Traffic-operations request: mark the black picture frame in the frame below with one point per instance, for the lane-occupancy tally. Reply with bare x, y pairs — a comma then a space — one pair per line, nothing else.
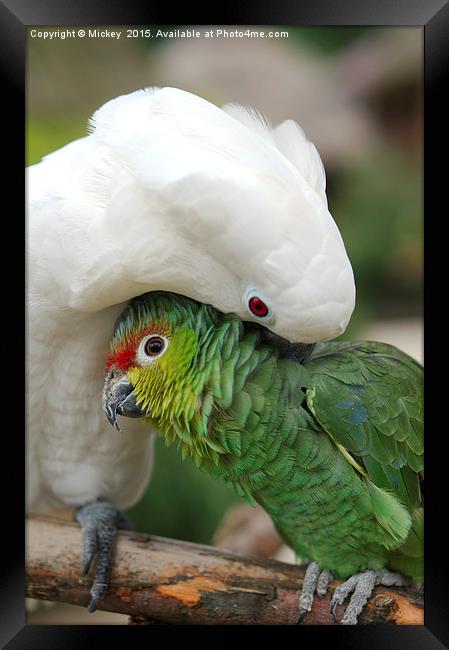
433, 16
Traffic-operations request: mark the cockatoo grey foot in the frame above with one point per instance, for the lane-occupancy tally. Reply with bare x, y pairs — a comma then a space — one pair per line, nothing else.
316, 580
362, 585
99, 521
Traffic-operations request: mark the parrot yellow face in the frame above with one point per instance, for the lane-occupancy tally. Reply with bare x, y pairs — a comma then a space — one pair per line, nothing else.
150, 368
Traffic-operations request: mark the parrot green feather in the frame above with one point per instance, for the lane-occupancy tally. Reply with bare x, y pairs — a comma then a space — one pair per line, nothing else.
331, 448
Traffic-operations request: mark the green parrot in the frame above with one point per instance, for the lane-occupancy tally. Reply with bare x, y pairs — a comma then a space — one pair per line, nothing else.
327, 438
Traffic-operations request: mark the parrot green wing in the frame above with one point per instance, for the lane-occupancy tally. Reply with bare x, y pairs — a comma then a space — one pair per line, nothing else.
368, 397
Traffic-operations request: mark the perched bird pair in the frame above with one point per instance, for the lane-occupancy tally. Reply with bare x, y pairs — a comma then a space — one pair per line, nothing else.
171, 193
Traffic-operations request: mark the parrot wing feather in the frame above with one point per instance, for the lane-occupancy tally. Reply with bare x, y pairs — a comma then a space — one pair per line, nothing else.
368, 397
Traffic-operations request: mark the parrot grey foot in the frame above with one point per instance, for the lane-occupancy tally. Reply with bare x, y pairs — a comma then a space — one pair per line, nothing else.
316, 581
99, 521
362, 585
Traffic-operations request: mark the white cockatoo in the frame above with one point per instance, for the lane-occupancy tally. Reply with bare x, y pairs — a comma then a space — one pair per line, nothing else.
167, 192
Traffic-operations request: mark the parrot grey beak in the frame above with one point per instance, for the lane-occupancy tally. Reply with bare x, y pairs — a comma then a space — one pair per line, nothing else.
119, 398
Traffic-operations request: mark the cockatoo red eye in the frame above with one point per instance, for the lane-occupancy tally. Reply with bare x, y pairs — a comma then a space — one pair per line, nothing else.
258, 307
154, 346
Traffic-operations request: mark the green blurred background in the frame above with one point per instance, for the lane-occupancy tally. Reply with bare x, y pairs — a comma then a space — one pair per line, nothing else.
357, 92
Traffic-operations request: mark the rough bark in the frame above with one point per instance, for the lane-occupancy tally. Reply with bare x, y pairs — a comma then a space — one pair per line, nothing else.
157, 580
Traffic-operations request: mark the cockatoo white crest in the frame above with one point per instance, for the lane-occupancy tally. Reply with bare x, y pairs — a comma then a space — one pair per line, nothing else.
171, 192
168, 192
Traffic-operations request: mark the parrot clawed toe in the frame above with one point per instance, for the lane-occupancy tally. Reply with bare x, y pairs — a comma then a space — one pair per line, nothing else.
316, 580
361, 586
100, 521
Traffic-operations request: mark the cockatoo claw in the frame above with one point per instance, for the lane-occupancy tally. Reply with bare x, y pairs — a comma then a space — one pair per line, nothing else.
99, 521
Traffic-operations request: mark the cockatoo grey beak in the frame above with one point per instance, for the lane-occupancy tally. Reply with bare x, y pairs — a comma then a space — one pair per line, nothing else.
119, 398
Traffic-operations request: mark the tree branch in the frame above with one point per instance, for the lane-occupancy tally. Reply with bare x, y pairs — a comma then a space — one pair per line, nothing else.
164, 580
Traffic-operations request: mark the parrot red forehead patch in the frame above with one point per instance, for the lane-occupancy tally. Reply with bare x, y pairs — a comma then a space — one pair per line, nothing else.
123, 355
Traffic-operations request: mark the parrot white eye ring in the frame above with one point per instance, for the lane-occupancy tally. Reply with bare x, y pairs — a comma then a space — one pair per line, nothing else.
258, 305
151, 348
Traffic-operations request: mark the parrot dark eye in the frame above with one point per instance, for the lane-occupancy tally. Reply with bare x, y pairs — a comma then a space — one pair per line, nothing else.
154, 346
151, 347
258, 307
